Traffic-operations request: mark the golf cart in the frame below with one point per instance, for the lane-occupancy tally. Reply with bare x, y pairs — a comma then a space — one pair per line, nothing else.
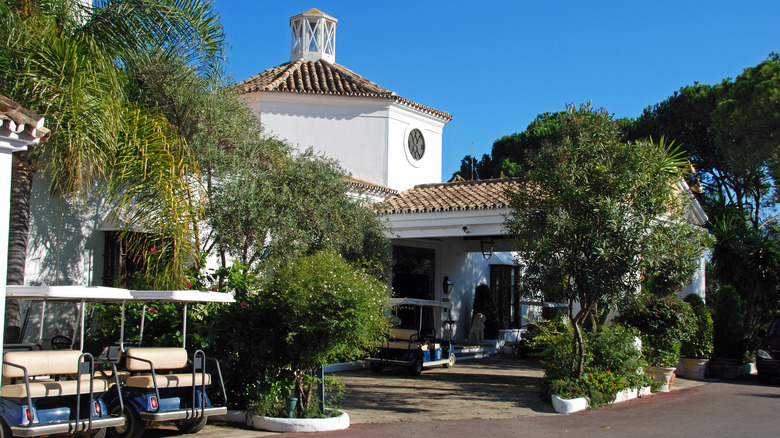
55, 391
163, 384
412, 345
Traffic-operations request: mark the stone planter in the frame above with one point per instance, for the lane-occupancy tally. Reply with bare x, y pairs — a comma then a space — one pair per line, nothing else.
665, 375
274, 424
569, 405
694, 368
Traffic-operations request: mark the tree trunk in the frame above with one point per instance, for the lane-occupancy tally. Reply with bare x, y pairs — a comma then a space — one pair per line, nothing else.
303, 392
18, 235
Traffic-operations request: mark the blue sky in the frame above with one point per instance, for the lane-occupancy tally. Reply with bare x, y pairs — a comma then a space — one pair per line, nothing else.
495, 65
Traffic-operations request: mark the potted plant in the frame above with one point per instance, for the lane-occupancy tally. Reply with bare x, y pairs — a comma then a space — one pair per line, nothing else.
697, 346
728, 336
662, 323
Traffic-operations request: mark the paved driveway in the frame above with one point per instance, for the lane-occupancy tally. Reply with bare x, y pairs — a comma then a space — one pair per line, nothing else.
499, 387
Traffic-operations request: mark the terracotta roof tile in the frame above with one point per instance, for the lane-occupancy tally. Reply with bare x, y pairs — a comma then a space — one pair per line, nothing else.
322, 77
369, 186
17, 119
451, 196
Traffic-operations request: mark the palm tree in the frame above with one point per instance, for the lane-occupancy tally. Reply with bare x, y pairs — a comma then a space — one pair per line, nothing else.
67, 61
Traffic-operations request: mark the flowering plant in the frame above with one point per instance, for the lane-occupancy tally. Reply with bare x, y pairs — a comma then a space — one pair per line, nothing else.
612, 363
600, 387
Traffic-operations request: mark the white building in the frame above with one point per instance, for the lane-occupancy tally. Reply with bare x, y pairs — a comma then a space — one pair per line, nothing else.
378, 136
390, 144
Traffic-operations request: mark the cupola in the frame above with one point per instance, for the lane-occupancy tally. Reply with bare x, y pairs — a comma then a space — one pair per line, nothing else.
313, 37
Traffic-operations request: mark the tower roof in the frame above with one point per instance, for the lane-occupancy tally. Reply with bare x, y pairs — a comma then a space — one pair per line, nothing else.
325, 78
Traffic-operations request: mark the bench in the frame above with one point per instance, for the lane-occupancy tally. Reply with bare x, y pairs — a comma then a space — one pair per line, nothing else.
407, 339
154, 360
49, 374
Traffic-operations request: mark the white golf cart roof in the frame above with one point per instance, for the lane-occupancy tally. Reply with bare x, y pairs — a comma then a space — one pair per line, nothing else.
419, 302
68, 293
182, 296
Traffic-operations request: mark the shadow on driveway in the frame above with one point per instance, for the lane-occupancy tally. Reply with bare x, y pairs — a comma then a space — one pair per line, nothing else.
497, 387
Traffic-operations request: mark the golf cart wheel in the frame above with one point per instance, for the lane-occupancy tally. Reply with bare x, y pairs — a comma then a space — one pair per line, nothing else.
451, 362
416, 368
134, 426
193, 426
376, 367
763, 378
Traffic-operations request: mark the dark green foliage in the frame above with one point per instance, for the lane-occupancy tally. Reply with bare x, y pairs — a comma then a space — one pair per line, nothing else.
663, 324
699, 343
613, 349
731, 131
586, 217
511, 154
750, 259
612, 363
728, 324
314, 309
485, 303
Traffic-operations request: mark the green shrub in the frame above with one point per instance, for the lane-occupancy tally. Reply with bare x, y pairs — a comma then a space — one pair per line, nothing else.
728, 326
699, 343
314, 309
663, 323
612, 363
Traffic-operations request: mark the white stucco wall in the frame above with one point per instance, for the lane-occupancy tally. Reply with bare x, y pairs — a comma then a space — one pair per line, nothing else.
367, 136
65, 246
465, 270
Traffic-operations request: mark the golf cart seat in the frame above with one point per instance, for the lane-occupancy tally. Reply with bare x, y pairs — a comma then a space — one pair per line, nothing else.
154, 360
47, 374
406, 339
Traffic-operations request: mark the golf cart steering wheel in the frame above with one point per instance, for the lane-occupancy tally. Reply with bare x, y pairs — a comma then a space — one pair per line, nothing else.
60, 342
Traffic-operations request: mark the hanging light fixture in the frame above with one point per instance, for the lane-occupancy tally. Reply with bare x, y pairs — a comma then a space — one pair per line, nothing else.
486, 245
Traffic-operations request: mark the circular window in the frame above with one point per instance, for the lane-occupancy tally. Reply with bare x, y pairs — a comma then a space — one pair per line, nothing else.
416, 144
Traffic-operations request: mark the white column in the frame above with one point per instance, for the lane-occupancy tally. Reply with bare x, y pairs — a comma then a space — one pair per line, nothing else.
6, 158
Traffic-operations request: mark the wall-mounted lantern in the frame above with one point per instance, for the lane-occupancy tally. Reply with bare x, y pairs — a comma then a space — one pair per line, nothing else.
486, 245
446, 286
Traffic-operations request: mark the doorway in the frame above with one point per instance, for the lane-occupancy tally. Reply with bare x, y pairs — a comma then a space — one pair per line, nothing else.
414, 271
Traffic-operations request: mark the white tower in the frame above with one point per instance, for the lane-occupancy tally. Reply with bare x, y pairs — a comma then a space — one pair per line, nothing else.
313, 37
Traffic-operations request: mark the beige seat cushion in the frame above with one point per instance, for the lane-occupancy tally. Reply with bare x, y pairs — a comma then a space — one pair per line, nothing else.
403, 334
405, 345
41, 363
166, 380
50, 388
161, 358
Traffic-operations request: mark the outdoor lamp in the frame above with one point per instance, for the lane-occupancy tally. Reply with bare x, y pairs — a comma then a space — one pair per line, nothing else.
486, 245
446, 286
